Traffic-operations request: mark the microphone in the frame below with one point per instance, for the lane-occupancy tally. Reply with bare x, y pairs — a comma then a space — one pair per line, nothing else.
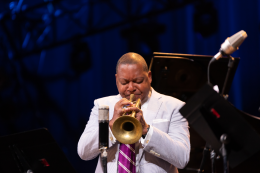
103, 119
231, 44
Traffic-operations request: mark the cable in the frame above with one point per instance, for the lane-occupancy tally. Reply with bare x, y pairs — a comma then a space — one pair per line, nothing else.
210, 62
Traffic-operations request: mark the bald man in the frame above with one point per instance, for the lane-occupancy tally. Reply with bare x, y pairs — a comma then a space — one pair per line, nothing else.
165, 144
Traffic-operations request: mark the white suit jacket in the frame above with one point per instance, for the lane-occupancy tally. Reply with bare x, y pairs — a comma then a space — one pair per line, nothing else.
167, 149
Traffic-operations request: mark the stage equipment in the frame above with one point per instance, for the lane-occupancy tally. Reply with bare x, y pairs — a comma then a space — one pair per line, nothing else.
127, 129
32, 152
222, 126
182, 75
103, 119
228, 47
231, 44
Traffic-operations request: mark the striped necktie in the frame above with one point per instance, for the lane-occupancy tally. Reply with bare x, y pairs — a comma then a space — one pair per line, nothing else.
126, 158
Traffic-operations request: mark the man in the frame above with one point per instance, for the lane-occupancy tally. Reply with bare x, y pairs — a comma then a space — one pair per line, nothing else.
165, 144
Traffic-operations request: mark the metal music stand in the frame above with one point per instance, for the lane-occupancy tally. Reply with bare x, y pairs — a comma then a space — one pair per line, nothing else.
32, 152
212, 116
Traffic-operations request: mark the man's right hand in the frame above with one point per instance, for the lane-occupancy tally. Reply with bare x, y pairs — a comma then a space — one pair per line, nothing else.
119, 110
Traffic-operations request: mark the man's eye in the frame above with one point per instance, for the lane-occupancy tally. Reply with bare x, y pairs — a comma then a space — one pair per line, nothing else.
123, 83
139, 81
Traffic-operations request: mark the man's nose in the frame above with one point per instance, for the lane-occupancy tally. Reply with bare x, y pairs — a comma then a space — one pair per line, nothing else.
131, 87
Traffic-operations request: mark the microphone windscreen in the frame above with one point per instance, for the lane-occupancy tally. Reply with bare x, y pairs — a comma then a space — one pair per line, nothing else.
103, 113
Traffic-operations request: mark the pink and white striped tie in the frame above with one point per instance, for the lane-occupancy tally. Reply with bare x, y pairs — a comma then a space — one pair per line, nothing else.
126, 158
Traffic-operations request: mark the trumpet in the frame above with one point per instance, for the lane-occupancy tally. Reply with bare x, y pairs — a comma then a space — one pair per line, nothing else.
127, 129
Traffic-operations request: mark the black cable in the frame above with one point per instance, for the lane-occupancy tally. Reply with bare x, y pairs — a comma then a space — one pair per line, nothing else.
210, 62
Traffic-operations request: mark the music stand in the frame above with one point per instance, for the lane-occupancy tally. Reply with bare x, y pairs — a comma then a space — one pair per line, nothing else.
182, 75
211, 116
32, 152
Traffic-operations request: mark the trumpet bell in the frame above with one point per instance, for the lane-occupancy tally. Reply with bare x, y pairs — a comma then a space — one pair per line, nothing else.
127, 130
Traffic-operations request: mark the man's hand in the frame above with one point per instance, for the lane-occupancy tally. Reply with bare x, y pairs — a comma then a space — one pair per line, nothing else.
119, 111
139, 116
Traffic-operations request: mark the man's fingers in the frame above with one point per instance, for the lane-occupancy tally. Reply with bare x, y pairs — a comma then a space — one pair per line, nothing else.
138, 111
123, 110
138, 117
134, 109
125, 102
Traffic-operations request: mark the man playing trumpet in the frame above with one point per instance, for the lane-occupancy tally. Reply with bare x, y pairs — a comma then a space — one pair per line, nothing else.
164, 145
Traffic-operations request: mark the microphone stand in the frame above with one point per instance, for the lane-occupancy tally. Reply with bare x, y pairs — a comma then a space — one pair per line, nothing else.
103, 117
205, 153
224, 137
104, 158
224, 140
213, 159
230, 65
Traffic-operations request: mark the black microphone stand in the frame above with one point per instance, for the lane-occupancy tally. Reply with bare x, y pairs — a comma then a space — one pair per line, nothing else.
104, 158
223, 137
223, 150
230, 65
103, 134
205, 154
213, 160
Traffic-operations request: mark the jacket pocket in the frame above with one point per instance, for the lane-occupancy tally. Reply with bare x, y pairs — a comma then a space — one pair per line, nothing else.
162, 124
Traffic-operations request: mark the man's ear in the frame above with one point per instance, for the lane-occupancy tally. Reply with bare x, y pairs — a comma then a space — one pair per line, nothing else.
116, 78
150, 77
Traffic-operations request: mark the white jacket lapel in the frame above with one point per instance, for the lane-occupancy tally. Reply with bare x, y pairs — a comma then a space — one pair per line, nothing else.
153, 106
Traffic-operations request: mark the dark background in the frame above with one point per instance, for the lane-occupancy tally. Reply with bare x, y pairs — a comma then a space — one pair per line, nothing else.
56, 57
